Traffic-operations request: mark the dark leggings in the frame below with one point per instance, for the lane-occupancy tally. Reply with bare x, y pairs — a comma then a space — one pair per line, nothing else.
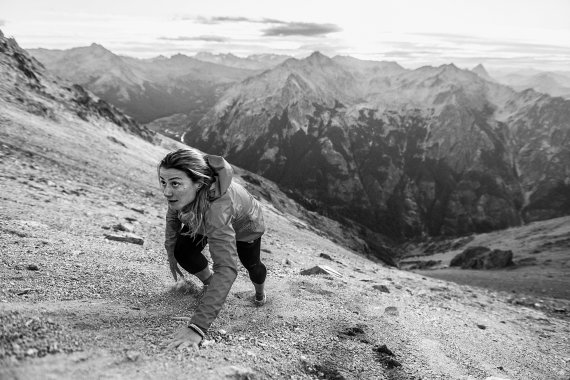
188, 253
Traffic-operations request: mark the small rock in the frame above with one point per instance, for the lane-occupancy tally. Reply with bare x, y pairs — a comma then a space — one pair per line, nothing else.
239, 373
391, 310
482, 327
123, 227
140, 210
32, 267
31, 352
383, 349
382, 288
320, 269
127, 239
385, 356
133, 355
325, 256
353, 331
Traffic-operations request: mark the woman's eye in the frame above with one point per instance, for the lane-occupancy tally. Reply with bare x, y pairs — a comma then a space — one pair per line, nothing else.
175, 184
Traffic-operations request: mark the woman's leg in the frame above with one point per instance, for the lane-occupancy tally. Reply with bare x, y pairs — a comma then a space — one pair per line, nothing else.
188, 253
249, 254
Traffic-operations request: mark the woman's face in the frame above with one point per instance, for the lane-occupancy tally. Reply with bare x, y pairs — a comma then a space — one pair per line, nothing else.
177, 187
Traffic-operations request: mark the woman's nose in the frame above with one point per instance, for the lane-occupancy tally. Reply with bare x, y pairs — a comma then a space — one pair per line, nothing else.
167, 191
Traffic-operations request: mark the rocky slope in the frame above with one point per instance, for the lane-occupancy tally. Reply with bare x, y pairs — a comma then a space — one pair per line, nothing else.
27, 82
75, 303
432, 151
145, 89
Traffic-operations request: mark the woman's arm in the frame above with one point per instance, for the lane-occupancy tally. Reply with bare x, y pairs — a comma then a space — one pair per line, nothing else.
171, 233
221, 239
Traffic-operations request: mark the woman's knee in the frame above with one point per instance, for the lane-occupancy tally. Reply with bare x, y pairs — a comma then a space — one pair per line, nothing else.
257, 272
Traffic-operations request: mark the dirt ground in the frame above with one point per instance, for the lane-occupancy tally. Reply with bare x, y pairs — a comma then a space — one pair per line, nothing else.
74, 304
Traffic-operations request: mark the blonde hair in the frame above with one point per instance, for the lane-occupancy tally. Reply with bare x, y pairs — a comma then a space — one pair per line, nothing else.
193, 163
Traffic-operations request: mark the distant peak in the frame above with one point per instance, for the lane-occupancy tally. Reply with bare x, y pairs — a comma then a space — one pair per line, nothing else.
481, 71
450, 67
179, 56
97, 49
318, 57
97, 46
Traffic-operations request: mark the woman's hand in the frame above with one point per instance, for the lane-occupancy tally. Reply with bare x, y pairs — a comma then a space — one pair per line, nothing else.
185, 337
174, 269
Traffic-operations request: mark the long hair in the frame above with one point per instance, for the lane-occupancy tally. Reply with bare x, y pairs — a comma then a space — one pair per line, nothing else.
192, 162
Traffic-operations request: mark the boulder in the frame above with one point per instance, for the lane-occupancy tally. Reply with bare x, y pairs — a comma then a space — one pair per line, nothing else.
320, 269
483, 258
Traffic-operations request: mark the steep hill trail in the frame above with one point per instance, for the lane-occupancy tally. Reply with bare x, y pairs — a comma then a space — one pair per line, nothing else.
74, 304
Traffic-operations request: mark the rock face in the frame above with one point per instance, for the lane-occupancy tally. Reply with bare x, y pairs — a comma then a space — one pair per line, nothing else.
483, 258
26, 81
433, 151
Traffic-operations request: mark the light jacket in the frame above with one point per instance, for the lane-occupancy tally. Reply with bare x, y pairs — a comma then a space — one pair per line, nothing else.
233, 215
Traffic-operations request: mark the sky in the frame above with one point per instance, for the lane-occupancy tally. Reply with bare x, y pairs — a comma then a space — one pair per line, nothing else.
519, 34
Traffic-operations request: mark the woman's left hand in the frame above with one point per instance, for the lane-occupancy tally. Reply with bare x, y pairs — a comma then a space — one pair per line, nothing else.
185, 337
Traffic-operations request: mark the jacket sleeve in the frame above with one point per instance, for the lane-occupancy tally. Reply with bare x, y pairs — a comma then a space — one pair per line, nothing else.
171, 232
222, 242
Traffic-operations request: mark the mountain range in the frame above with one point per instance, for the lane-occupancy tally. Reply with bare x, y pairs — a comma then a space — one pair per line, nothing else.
406, 153
156, 88
552, 83
144, 89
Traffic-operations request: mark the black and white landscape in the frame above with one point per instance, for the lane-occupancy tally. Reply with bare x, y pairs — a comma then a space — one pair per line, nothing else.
418, 219
435, 151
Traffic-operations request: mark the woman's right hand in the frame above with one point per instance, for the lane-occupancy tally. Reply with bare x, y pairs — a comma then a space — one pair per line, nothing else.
174, 269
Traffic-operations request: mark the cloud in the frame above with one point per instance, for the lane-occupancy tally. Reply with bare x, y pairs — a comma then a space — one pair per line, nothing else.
277, 27
496, 44
231, 19
196, 38
301, 29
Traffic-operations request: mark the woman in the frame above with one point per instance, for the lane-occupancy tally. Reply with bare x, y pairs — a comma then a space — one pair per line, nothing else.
206, 206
